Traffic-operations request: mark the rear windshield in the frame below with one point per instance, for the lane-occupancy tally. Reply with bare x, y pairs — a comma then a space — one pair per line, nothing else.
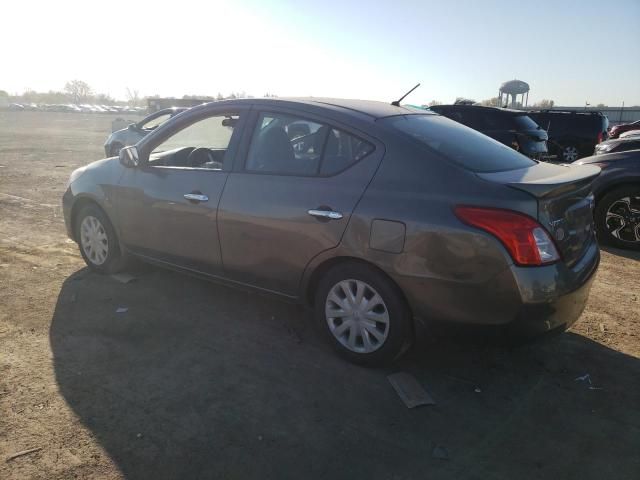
462, 145
523, 122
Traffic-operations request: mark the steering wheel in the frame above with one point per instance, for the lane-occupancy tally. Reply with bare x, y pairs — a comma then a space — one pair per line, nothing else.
303, 143
199, 156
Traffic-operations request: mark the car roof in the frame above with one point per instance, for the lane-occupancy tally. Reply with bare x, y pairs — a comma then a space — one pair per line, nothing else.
482, 107
362, 108
567, 112
171, 110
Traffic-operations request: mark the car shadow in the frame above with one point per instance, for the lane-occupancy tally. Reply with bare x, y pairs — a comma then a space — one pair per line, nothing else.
194, 380
630, 254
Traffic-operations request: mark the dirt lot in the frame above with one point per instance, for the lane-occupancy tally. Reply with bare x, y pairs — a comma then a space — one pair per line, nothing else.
200, 381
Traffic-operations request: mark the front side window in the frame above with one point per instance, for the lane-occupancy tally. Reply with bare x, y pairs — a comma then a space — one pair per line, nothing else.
289, 145
202, 144
459, 144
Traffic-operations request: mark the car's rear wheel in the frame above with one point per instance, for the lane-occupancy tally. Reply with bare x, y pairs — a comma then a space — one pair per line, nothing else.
618, 217
363, 313
98, 241
570, 153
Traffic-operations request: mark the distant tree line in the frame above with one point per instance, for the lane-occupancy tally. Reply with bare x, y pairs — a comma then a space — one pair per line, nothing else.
80, 92
75, 91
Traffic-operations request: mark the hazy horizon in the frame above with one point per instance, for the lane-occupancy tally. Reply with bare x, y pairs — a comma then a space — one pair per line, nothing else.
570, 52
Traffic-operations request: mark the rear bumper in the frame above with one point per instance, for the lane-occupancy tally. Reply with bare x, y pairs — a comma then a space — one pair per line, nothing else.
555, 303
529, 299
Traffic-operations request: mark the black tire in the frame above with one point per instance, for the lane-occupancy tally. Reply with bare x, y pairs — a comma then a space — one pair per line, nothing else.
605, 235
115, 149
400, 327
115, 260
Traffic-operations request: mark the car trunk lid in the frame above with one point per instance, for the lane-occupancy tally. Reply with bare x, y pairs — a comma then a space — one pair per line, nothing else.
565, 201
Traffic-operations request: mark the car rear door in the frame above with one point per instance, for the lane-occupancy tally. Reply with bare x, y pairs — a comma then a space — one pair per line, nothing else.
290, 196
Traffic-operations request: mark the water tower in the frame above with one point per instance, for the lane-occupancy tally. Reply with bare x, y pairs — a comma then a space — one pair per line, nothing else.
514, 88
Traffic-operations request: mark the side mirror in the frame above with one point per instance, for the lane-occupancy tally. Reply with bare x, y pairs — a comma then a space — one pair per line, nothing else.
129, 156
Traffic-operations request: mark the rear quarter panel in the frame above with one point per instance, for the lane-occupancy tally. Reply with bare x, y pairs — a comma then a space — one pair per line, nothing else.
446, 269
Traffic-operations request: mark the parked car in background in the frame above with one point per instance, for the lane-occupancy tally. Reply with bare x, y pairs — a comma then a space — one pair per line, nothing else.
630, 133
510, 127
616, 130
134, 132
617, 196
375, 215
617, 145
572, 134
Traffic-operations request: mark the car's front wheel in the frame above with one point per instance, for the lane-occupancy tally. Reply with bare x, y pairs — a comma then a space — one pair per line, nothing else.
618, 217
363, 314
97, 240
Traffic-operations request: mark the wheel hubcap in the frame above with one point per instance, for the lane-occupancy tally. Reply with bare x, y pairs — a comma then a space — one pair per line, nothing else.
357, 316
623, 219
570, 154
93, 239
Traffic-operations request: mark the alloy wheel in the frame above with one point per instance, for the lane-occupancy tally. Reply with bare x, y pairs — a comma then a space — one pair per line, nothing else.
623, 219
93, 239
570, 153
357, 316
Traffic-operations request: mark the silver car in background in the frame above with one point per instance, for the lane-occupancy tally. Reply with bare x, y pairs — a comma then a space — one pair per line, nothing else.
136, 131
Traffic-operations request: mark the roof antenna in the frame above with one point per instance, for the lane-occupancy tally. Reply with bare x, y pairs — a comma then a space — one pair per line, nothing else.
396, 103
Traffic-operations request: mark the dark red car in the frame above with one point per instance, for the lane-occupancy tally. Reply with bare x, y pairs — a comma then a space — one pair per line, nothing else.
616, 130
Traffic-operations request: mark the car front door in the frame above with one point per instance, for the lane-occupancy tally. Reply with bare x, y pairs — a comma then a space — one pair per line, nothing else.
167, 207
290, 197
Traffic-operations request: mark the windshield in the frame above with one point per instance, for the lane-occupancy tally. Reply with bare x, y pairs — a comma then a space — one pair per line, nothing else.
462, 145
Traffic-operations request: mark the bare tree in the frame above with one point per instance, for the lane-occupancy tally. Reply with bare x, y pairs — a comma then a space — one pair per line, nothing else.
133, 97
491, 102
544, 104
78, 90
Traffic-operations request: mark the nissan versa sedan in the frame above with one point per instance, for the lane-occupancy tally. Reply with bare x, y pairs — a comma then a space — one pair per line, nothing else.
376, 216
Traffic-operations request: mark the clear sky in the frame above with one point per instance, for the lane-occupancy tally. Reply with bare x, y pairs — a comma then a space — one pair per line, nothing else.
570, 51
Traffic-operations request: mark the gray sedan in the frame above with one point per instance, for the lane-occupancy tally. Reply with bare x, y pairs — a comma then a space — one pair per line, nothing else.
376, 216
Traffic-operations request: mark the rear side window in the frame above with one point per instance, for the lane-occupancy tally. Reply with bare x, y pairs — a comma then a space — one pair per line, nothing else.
288, 145
459, 144
342, 150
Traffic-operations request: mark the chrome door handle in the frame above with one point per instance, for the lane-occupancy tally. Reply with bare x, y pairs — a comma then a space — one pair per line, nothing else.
196, 197
330, 214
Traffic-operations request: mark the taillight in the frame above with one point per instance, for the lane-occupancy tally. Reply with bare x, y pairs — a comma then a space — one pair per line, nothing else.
600, 137
526, 240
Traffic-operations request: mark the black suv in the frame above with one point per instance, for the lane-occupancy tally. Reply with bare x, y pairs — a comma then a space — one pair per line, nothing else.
511, 127
572, 134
